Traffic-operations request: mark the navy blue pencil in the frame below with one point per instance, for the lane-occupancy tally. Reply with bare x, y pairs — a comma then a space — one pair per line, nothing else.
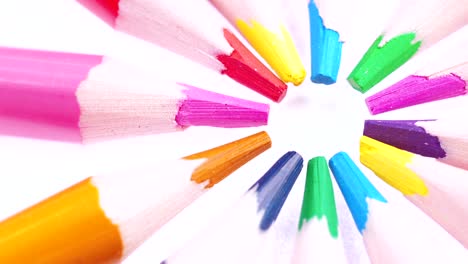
239, 235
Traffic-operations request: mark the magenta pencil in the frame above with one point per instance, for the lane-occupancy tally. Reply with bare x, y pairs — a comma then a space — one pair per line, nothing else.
444, 76
82, 98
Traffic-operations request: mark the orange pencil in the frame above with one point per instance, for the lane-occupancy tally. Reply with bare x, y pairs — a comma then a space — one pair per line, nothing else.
103, 219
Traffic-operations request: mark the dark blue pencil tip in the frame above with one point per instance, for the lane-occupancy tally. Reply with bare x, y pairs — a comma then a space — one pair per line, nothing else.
356, 188
325, 48
273, 188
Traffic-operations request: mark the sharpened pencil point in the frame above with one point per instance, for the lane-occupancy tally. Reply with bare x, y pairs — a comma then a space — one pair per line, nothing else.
205, 108
325, 49
414, 90
274, 186
277, 48
381, 59
356, 188
244, 67
406, 135
390, 164
319, 198
223, 160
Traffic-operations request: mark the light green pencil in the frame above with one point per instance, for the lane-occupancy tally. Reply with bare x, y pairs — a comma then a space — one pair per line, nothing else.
416, 25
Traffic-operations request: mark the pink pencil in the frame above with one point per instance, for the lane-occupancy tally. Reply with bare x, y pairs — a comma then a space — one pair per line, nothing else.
445, 76
82, 98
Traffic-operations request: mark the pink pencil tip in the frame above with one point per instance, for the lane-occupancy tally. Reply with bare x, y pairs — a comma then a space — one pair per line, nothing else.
205, 108
414, 90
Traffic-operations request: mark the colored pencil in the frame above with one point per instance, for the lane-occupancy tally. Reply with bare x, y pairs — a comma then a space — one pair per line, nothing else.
325, 42
416, 25
195, 30
261, 24
443, 139
318, 240
389, 235
240, 234
445, 77
86, 98
436, 188
103, 219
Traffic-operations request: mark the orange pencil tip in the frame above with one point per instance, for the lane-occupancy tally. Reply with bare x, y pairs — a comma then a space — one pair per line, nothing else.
223, 160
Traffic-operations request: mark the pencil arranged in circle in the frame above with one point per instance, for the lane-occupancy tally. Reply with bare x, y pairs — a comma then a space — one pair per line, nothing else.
443, 139
260, 22
104, 218
240, 234
193, 29
83, 98
416, 25
325, 42
390, 234
318, 239
446, 77
436, 188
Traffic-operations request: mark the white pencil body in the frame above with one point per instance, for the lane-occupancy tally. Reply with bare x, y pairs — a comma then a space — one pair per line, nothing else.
234, 237
431, 20
392, 237
141, 201
314, 244
453, 137
117, 99
450, 57
447, 200
250, 11
177, 25
332, 13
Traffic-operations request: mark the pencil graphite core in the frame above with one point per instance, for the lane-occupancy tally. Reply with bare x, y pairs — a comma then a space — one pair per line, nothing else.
206, 108
325, 47
257, 76
319, 200
414, 90
357, 190
381, 59
391, 165
278, 49
225, 159
274, 186
406, 135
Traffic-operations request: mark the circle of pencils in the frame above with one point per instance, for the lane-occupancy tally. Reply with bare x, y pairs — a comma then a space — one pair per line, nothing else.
420, 163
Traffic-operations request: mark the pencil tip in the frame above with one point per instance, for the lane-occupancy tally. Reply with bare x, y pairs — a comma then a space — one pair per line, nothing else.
382, 59
274, 186
414, 90
205, 108
325, 49
223, 160
244, 67
356, 188
277, 48
390, 164
319, 199
408, 135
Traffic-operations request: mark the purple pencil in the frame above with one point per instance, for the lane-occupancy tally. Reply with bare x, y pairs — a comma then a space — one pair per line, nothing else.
445, 140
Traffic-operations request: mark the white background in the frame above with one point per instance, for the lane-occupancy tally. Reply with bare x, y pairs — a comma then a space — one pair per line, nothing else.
312, 120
